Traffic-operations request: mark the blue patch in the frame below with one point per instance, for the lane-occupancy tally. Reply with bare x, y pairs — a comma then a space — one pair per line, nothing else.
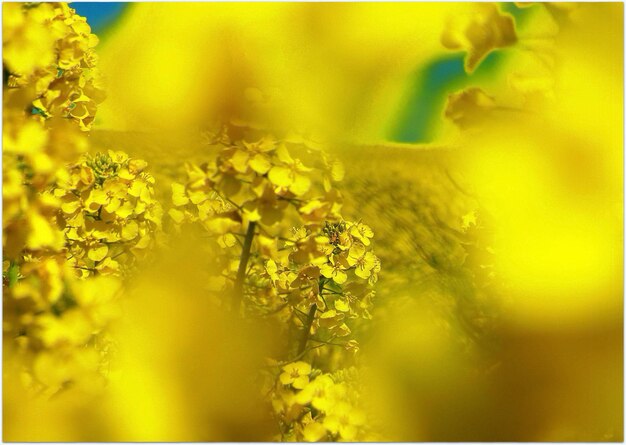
433, 83
100, 15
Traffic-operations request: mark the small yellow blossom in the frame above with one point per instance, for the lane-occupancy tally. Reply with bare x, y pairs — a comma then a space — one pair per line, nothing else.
296, 374
314, 432
362, 232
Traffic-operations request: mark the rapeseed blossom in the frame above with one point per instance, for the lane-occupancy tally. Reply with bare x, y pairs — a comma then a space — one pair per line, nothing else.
62, 225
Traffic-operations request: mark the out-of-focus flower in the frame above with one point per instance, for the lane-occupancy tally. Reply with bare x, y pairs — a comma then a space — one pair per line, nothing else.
480, 30
469, 107
56, 322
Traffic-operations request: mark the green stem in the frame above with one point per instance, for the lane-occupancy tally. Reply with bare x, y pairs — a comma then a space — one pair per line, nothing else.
307, 329
243, 264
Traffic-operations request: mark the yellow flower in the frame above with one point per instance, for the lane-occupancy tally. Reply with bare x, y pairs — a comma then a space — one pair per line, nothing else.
272, 269
97, 252
479, 31
468, 108
362, 232
296, 374
335, 269
246, 155
179, 196
227, 240
363, 261
108, 197
28, 43
314, 432
42, 233
342, 306
318, 393
289, 174
267, 208
344, 420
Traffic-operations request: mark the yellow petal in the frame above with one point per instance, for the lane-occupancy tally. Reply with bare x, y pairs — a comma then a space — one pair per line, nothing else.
240, 161
300, 185
136, 166
260, 164
300, 382
362, 272
70, 207
124, 173
41, 233
176, 215
342, 306
130, 230
97, 197
314, 432
283, 154
136, 188
327, 270
280, 176
113, 205
125, 210
271, 267
285, 378
98, 253
340, 276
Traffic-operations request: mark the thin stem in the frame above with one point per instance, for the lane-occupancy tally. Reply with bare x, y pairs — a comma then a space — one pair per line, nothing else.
309, 321
296, 358
329, 342
307, 329
243, 263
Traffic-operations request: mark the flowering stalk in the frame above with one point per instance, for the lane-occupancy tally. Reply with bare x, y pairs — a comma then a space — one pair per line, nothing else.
308, 261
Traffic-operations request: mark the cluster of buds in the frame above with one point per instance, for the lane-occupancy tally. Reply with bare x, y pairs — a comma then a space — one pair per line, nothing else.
108, 213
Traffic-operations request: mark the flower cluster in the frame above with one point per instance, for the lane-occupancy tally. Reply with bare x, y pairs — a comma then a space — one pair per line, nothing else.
55, 320
49, 94
285, 252
50, 59
261, 178
75, 225
257, 184
58, 325
108, 212
313, 406
334, 271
